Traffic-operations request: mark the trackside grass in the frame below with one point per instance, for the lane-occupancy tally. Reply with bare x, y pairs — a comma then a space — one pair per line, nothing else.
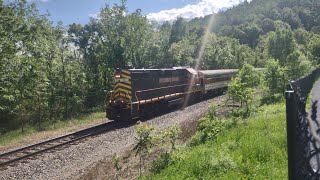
255, 148
50, 130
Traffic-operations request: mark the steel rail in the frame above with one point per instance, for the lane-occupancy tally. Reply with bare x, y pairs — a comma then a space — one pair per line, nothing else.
35, 149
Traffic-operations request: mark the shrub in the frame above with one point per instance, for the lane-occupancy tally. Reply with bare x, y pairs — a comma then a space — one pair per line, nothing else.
208, 129
274, 77
271, 99
116, 164
240, 89
144, 141
160, 163
212, 111
171, 135
249, 77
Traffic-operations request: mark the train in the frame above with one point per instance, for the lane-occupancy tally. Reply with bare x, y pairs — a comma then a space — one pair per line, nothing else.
143, 93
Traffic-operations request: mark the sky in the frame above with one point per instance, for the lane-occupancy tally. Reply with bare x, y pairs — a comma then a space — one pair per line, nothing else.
79, 11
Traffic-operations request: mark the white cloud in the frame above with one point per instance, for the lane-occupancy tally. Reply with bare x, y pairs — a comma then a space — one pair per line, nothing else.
94, 15
39, 0
203, 8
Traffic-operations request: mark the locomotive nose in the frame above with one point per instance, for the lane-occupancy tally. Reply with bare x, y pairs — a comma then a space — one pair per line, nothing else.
117, 108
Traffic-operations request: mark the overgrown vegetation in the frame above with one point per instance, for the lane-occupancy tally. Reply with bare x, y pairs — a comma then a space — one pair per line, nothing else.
147, 138
253, 148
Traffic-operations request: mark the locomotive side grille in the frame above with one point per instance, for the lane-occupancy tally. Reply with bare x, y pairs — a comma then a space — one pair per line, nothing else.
122, 88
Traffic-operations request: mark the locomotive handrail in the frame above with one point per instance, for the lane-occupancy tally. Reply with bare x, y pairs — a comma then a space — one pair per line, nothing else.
161, 88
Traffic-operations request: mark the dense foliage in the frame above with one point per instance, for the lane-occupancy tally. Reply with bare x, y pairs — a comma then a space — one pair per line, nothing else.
231, 148
240, 88
49, 73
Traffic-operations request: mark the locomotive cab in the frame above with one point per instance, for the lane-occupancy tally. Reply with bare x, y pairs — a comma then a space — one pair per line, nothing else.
118, 100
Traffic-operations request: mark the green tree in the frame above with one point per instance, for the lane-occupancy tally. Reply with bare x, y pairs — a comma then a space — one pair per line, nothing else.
252, 32
249, 77
137, 36
298, 65
226, 53
239, 92
144, 141
302, 36
314, 48
281, 44
182, 53
171, 135
289, 16
274, 77
240, 89
179, 30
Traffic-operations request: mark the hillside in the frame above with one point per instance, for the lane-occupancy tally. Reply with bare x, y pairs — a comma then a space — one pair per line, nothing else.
248, 21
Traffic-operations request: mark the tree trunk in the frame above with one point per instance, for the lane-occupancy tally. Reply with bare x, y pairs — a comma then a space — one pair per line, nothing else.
39, 113
65, 85
247, 106
20, 109
51, 100
140, 168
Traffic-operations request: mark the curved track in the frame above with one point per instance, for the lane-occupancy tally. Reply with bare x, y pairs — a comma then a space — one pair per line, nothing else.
14, 156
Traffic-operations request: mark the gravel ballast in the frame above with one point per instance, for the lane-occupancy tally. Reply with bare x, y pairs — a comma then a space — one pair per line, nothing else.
72, 161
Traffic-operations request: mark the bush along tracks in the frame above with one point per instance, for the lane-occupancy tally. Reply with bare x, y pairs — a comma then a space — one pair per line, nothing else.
230, 148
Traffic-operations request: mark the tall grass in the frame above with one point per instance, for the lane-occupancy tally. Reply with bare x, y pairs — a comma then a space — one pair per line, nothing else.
255, 149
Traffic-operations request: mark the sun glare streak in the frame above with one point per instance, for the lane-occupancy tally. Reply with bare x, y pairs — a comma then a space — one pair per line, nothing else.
199, 57
204, 43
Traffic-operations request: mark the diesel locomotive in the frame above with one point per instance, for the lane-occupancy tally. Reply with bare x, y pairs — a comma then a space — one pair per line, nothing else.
141, 93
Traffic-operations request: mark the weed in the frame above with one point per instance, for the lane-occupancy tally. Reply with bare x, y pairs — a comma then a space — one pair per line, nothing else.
272, 99
253, 148
144, 141
116, 164
161, 163
171, 135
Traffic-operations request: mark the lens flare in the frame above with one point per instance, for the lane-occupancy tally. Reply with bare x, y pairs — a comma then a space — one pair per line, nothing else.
199, 57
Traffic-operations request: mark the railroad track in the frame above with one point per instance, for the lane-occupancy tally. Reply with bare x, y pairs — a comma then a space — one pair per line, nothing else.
14, 156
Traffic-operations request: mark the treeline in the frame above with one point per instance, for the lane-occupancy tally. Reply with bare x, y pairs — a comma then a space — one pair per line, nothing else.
50, 73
